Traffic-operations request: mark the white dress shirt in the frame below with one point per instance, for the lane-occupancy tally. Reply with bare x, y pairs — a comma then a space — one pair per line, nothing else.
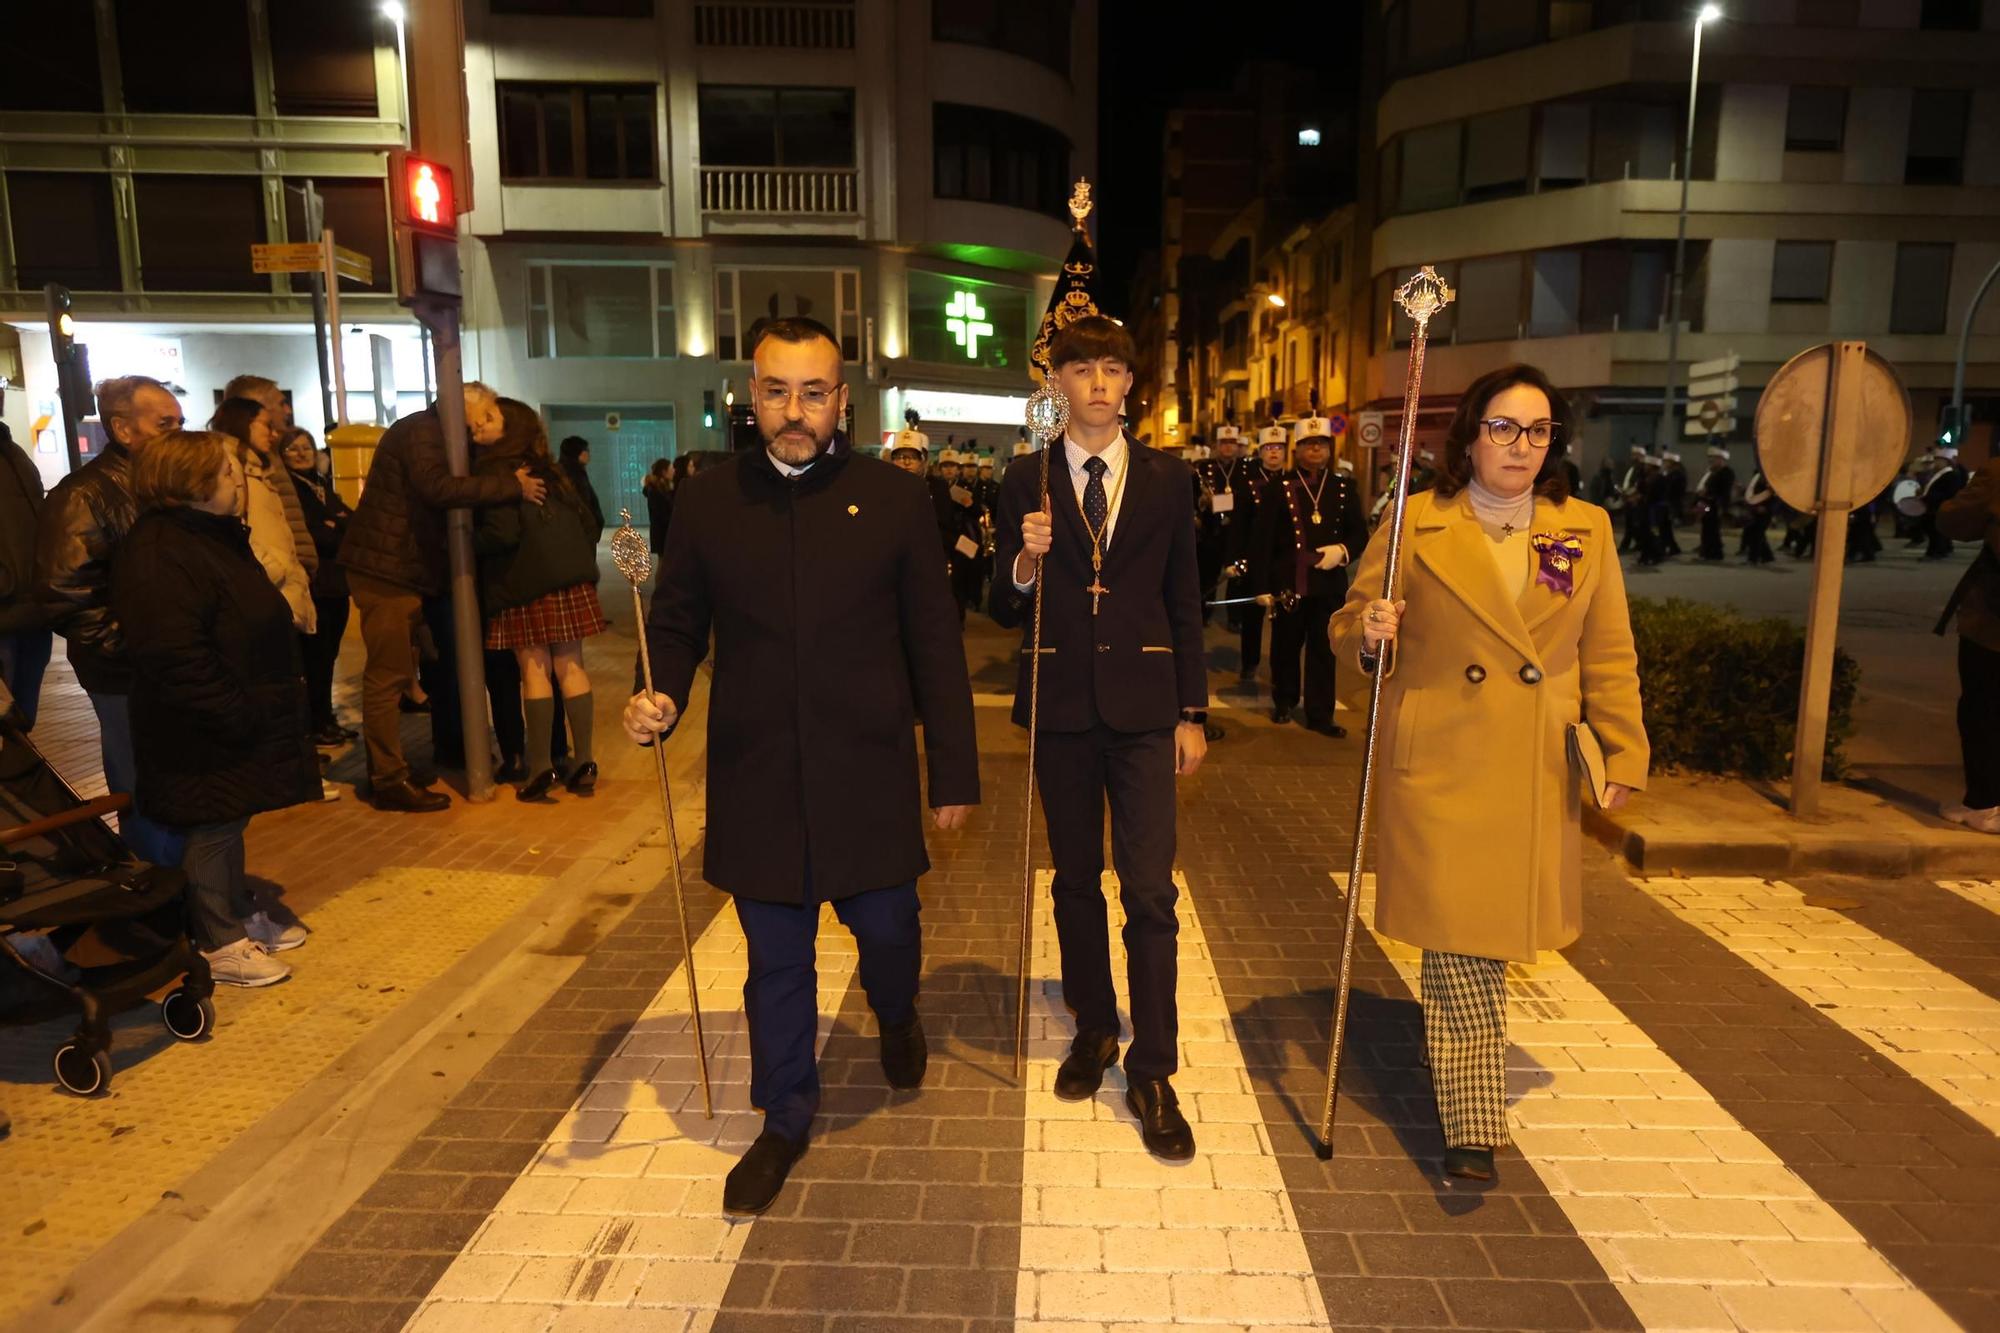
1116, 459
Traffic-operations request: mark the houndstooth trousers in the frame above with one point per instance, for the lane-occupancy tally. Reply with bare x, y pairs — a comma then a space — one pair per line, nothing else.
1465, 1035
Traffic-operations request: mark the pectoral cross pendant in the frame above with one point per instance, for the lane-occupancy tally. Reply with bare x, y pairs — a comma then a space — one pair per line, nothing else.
1096, 588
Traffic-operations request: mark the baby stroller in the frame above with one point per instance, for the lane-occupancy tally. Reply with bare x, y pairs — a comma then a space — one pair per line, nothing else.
63, 870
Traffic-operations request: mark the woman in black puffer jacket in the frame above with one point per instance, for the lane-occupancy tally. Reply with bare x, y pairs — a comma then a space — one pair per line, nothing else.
538, 586
326, 516
218, 701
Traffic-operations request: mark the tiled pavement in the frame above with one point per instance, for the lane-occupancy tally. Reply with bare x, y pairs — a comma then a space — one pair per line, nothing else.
1737, 1104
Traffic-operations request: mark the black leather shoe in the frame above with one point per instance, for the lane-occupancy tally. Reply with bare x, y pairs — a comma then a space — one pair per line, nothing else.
1469, 1163
1333, 729
537, 787
331, 736
408, 705
1162, 1127
582, 780
408, 799
511, 770
754, 1182
1082, 1070
904, 1054
1281, 715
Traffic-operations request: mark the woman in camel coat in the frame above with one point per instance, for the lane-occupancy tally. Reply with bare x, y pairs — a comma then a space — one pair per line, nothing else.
1517, 628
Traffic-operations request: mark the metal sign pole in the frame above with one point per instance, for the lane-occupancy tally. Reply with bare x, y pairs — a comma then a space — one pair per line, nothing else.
1843, 415
332, 279
316, 226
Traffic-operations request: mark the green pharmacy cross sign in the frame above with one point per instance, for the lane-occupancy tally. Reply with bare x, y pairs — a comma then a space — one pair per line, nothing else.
966, 319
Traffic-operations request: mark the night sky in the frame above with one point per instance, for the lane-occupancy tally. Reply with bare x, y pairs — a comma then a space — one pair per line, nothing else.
1152, 53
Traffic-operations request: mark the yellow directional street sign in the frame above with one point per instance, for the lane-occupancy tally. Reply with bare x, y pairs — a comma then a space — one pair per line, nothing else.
354, 265
299, 257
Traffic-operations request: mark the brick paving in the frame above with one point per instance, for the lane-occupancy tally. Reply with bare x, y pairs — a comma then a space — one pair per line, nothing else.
1736, 1104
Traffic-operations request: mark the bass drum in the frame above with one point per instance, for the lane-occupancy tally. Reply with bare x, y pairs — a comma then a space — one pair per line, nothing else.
1909, 497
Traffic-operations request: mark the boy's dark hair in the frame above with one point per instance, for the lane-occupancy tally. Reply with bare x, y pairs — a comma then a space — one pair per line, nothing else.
574, 447
1093, 338
790, 329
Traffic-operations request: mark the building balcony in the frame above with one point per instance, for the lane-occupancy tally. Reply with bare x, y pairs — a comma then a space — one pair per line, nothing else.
795, 26
756, 199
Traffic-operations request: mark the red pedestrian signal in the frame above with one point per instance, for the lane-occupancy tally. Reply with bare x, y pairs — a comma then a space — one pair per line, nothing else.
425, 199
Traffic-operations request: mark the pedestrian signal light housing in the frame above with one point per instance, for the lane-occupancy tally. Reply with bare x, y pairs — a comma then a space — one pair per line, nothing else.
425, 200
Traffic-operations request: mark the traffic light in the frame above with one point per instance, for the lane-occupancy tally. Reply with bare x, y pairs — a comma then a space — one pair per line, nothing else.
708, 409
425, 199
72, 368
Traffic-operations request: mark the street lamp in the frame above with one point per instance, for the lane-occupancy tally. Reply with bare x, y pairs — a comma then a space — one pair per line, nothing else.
1665, 434
393, 11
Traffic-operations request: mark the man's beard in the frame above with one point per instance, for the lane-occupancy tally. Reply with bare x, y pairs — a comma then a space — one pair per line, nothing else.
796, 446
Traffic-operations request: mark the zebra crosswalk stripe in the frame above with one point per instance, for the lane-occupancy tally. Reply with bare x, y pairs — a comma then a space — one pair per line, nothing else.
623, 1203
1695, 1220
1938, 1029
1096, 1208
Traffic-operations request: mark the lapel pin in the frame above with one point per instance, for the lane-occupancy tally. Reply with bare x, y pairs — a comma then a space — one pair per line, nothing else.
853, 509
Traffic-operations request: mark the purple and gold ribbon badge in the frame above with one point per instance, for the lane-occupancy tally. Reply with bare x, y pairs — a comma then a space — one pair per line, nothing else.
1558, 554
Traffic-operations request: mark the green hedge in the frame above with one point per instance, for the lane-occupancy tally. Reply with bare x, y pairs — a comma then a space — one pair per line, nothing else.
1721, 690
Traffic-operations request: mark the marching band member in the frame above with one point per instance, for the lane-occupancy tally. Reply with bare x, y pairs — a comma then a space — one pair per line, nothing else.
1309, 528
1518, 633
1718, 486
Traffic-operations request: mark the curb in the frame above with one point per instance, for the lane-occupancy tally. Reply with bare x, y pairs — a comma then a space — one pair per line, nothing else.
1808, 849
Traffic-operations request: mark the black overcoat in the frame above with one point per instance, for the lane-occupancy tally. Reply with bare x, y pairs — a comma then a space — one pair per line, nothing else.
834, 631
1139, 661
219, 717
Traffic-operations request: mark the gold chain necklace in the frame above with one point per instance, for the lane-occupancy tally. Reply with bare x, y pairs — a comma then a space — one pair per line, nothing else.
1312, 494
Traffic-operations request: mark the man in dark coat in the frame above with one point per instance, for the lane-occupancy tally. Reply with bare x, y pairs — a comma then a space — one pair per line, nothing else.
85, 517
576, 466
394, 554
1124, 701
819, 575
24, 622
1310, 528
1973, 515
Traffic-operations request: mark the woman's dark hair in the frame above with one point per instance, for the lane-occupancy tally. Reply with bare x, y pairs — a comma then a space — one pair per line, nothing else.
524, 436
660, 477
1552, 482
574, 447
233, 418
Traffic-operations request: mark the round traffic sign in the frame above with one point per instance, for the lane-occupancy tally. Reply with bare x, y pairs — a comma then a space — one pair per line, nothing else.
1711, 412
1874, 423
1338, 425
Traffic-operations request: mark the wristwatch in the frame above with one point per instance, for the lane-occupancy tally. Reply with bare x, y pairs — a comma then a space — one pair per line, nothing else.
1196, 717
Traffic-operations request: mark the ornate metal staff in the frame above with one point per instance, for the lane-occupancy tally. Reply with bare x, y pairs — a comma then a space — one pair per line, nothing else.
1421, 297
635, 562
1048, 418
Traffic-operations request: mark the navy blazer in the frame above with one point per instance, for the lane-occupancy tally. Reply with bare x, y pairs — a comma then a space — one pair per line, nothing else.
1138, 662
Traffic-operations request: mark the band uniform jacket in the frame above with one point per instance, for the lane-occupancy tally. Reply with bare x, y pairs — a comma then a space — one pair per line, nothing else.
954, 520
1280, 562
1231, 479
1251, 487
1477, 802
834, 631
1138, 662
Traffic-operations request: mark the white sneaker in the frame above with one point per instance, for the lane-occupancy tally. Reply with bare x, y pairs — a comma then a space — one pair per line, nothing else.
1983, 821
244, 963
329, 792
272, 936
42, 956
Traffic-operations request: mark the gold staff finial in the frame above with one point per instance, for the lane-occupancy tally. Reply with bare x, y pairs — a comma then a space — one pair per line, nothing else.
1424, 295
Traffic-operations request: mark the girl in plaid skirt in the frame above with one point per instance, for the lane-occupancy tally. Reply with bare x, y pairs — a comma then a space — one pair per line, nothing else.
538, 581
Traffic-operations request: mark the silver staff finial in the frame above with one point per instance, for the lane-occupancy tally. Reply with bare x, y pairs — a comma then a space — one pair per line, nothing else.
1048, 414
628, 551
1424, 295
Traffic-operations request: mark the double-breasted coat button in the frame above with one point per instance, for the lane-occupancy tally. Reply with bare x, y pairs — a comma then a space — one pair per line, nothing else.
1475, 673
1532, 675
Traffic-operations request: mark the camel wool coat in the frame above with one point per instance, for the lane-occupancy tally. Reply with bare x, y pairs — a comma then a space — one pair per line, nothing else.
1477, 805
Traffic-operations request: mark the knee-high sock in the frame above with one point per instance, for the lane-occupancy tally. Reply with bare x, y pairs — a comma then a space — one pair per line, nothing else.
540, 713
577, 710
